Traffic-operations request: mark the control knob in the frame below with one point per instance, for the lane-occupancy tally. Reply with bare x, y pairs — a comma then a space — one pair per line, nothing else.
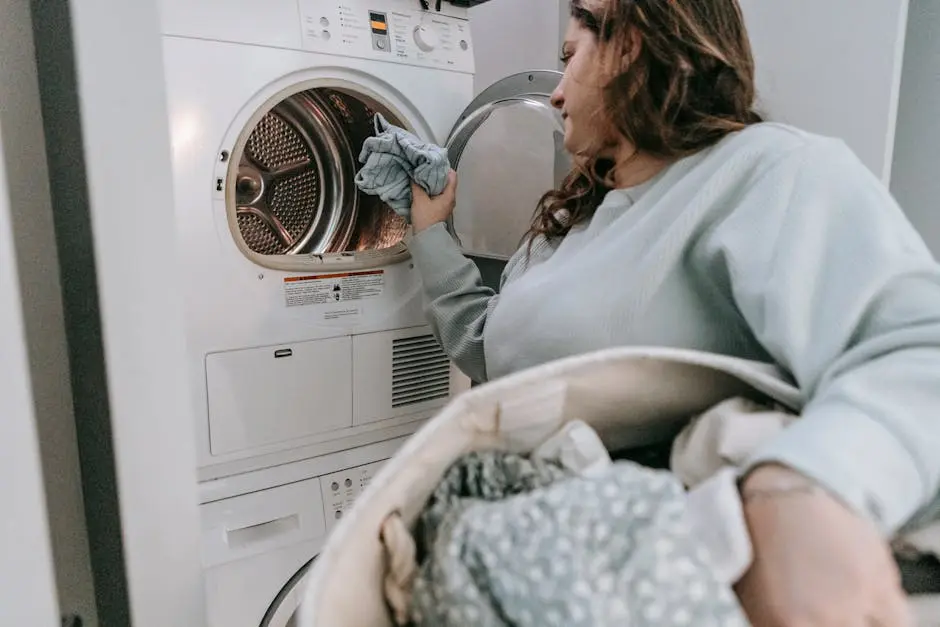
425, 38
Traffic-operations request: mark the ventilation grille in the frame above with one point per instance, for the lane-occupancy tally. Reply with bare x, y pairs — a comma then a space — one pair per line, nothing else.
420, 371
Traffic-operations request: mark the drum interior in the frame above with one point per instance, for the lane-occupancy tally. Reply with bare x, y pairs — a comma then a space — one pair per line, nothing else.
294, 191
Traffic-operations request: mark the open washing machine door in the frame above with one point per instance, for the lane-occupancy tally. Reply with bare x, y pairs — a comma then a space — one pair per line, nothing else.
508, 150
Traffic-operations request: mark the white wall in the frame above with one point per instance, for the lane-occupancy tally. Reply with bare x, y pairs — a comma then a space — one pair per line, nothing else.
514, 36
829, 66
27, 581
916, 178
832, 67
41, 302
27, 584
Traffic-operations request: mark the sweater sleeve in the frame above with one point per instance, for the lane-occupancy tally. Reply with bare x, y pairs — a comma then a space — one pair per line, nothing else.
456, 301
839, 288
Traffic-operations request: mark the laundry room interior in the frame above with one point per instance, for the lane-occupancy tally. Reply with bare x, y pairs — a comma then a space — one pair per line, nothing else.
251, 251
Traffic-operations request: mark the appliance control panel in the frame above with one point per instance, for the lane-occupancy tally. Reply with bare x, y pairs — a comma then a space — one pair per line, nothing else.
399, 31
341, 489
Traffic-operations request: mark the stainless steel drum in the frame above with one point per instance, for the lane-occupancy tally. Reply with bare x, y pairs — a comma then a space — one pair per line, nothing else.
294, 189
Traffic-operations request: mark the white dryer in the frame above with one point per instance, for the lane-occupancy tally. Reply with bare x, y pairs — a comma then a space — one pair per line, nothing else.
305, 326
309, 355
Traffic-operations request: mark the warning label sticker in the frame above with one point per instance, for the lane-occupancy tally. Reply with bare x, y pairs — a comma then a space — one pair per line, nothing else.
343, 287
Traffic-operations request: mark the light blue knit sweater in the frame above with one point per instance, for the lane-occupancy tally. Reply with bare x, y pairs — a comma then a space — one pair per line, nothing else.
774, 245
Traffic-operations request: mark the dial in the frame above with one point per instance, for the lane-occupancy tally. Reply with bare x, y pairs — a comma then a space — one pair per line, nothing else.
425, 38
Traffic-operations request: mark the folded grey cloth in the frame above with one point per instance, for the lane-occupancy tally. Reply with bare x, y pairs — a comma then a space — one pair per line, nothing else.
393, 159
507, 541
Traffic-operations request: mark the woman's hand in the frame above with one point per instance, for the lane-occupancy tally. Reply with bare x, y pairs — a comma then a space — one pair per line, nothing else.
816, 563
427, 211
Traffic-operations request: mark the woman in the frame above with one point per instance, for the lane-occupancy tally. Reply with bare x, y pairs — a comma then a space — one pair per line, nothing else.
691, 223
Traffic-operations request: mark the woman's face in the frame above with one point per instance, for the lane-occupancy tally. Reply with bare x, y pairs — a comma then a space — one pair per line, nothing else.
579, 95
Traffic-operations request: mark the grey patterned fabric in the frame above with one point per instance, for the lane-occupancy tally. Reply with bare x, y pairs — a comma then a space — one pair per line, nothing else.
395, 157
509, 541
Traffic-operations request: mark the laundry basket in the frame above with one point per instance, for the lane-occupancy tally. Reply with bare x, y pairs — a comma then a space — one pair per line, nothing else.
632, 397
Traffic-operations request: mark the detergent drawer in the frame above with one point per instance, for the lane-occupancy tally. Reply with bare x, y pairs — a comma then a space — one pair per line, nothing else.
274, 394
261, 522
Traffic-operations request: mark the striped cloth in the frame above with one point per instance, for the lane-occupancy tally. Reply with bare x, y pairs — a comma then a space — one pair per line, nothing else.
393, 159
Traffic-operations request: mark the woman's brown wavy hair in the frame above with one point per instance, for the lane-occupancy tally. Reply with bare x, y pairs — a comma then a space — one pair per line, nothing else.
690, 85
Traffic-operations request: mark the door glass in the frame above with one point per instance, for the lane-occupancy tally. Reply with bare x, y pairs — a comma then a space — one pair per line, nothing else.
507, 153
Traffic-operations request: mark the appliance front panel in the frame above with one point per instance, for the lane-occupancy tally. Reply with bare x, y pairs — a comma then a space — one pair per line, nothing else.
271, 395
389, 30
393, 31
214, 90
257, 546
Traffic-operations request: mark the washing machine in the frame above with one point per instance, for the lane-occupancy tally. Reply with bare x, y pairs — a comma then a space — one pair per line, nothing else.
309, 355
305, 328
262, 530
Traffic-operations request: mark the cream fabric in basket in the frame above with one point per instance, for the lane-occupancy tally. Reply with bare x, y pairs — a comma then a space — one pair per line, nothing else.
630, 396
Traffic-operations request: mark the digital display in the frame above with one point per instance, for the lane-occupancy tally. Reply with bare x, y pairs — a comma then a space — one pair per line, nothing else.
378, 23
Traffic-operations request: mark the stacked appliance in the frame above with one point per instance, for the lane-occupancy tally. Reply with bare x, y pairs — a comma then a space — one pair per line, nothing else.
309, 354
